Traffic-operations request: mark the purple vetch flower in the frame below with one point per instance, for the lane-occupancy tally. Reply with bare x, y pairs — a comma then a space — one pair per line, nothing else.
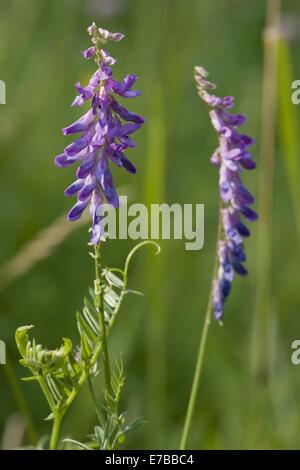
231, 157
89, 52
104, 137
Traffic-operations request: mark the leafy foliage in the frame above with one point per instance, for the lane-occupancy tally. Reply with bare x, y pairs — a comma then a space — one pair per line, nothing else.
113, 433
62, 372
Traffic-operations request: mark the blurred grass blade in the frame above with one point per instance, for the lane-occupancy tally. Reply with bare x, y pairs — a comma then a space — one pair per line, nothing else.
264, 296
157, 273
20, 400
283, 399
288, 124
40, 247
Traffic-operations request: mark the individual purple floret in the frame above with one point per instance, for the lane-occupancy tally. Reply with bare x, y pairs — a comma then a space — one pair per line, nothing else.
231, 157
104, 137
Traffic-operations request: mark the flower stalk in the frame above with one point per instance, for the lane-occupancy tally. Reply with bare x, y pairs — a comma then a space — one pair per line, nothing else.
100, 308
55, 432
201, 350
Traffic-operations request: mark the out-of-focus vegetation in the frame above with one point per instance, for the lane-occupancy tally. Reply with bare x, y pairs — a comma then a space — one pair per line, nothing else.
40, 60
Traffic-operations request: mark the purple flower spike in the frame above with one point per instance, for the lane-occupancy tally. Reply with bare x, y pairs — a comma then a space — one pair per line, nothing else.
104, 137
230, 157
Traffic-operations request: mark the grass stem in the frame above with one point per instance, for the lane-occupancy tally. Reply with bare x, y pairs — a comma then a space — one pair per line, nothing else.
201, 352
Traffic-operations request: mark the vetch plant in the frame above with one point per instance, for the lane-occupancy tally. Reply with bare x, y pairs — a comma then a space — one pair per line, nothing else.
62, 372
231, 158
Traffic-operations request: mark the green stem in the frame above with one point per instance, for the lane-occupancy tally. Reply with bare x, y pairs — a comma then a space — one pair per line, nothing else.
98, 349
57, 416
100, 308
47, 394
201, 351
55, 432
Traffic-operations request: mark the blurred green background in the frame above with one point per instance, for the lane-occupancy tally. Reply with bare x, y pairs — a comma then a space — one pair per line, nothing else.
249, 393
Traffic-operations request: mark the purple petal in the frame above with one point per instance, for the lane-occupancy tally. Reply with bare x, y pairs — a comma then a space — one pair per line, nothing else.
204, 83
116, 37
87, 189
81, 124
87, 92
127, 141
226, 288
76, 212
76, 147
105, 71
96, 201
239, 269
233, 119
91, 51
243, 230
104, 176
244, 196
74, 188
226, 272
249, 214
82, 143
215, 159
248, 162
234, 235
129, 128
91, 29
231, 154
125, 114
64, 160
127, 164
100, 134
87, 165
124, 88
237, 253
107, 58
219, 125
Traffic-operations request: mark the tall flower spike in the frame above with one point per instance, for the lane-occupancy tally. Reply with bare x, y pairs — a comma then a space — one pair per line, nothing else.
104, 137
231, 157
